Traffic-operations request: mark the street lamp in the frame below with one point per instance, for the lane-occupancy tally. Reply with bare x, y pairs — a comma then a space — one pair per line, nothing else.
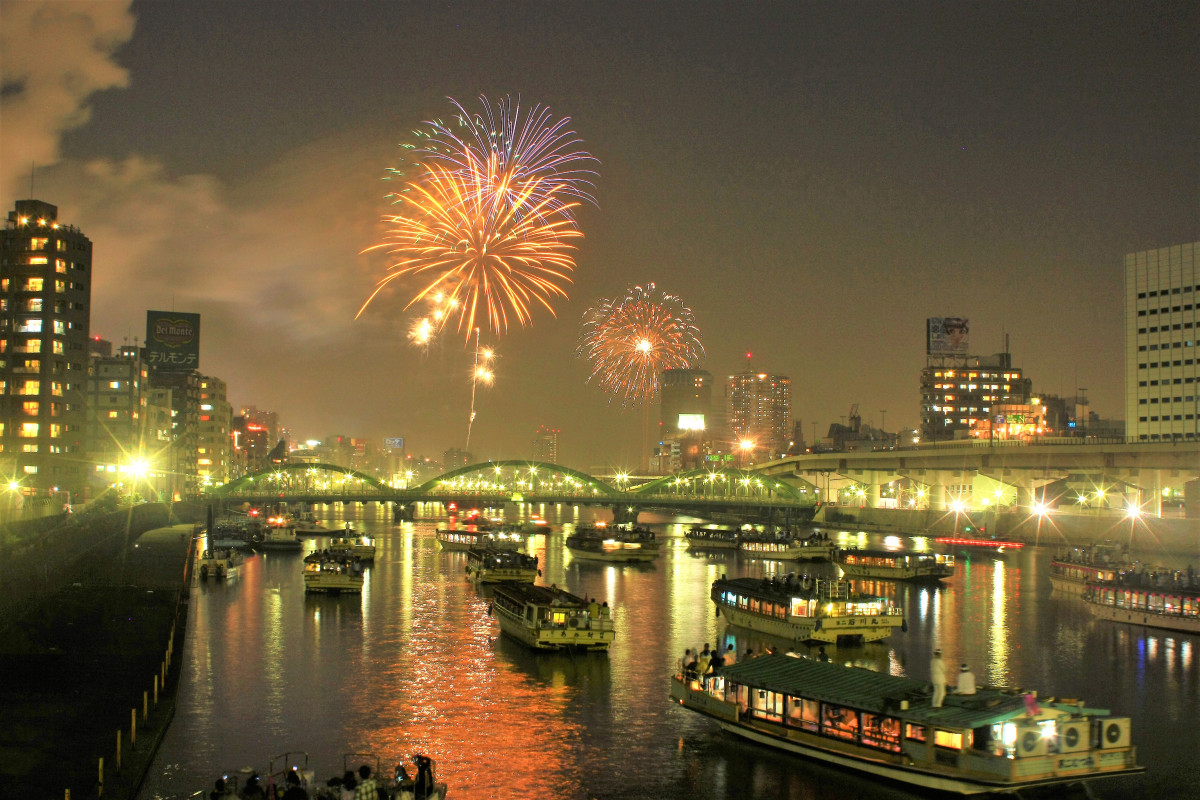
747, 448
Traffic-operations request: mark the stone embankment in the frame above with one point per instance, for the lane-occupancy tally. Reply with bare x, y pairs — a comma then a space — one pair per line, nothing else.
93, 613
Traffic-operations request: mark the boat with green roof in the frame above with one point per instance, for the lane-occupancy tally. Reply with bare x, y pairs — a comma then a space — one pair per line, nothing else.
886, 726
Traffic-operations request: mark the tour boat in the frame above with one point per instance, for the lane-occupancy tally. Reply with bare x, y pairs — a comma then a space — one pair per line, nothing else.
816, 547
219, 562
333, 577
713, 538
549, 618
489, 565
1073, 570
886, 726
352, 546
805, 610
421, 784
461, 541
277, 537
1167, 601
890, 565
613, 543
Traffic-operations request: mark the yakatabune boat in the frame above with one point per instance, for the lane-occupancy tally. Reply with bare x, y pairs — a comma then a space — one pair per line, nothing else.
815, 547
489, 565
613, 543
333, 577
803, 610
704, 538
548, 618
219, 562
1073, 570
1167, 601
885, 726
463, 540
352, 545
890, 565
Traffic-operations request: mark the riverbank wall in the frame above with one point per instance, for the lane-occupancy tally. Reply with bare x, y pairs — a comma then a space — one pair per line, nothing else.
93, 620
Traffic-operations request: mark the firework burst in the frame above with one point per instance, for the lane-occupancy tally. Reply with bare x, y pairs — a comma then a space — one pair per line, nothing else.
630, 340
481, 260
487, 221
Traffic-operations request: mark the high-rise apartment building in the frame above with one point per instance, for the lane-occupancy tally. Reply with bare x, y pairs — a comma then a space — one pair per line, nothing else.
686, 402
760, 411
214, 438
45, 303
545, 445
179, 479
1162, 324
122, 445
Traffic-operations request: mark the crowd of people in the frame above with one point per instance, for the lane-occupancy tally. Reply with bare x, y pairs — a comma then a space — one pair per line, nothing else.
360, 785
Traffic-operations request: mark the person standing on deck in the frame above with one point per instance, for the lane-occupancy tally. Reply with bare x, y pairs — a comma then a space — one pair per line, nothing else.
937, 671
966, 681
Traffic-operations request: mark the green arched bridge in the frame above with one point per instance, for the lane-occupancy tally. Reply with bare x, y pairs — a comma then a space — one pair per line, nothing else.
497, 482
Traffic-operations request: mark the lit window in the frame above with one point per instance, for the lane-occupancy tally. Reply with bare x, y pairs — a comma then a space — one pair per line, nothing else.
33, 345
33, 284
28, 429
57, 347
38, 260
30, 407
30, 326
114, 384
38, 244
30, 387
30, 469
113, 414
29, 448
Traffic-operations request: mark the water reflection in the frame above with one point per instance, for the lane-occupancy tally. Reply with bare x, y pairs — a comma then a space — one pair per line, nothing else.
417, 664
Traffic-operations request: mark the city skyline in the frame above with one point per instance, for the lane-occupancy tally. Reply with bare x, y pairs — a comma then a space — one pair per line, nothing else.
806, 177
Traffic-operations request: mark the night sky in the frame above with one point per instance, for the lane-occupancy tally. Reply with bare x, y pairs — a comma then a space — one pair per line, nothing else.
813, 179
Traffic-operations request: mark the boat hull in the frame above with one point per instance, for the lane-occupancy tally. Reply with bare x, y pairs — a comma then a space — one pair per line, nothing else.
895, 573
502, 574
619, 555
551, 638
333, 583
788, 551
1146, 619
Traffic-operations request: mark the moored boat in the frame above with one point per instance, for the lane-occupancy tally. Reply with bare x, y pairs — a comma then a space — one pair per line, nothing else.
277, 537
613, 543
886, 726
352, 546
703, 538
892, 565
803, 609
549, 618
461, 541
1167, 601
219, 562
490, 565
333, 577
788, 547
234, 533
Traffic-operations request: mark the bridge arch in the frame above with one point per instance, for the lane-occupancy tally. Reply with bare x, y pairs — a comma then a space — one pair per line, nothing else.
278, 472
724, 482
532, 470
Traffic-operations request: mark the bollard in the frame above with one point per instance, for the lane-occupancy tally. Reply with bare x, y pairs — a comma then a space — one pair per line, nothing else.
67, 795
156, 691
100, 792
118, 749
145, 705
133, 729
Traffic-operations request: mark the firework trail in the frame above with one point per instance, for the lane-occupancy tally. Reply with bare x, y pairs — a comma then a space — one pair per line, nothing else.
630, 340
488, 219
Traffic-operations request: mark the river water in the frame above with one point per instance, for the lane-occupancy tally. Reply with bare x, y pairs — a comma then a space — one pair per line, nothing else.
416, 665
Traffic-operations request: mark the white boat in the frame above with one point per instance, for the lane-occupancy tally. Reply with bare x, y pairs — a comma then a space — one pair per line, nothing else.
352, 546
219, 562
277, 537
489, 565
332, 577
890, 565
815, 547
1071, 571
613, 543
455, 540
804, 610
703, 538
885, 726
549, 618
1169, 602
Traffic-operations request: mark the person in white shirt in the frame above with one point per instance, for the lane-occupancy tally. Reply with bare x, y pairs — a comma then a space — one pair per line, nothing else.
937, 674
966, 681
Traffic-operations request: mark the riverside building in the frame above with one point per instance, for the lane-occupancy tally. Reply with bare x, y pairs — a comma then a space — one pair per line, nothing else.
45, 306
1162, 323
760, 411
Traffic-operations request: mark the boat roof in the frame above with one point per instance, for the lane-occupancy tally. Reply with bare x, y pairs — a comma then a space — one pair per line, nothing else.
877, 692
862, 551
540, 595
763, 587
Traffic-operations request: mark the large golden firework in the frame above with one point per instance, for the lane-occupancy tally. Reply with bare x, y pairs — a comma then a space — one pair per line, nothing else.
488, 251
630, 340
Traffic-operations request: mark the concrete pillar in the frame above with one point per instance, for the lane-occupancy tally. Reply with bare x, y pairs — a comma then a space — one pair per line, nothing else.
937, 497
1191, 499
873, 495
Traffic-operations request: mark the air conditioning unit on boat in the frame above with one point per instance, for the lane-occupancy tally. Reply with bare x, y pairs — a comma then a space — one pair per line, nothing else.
1074, 735
1114, 732
1030, 741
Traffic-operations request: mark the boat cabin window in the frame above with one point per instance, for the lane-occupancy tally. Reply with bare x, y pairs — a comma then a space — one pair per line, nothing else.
952, 740
913, 732
767, 705
804, 714
529, 613
880, 731
802, 607
558, 617
839, 721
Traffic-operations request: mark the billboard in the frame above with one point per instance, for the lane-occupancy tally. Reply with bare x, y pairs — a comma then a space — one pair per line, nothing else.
394, 443
691, 422
173, 340
946, 336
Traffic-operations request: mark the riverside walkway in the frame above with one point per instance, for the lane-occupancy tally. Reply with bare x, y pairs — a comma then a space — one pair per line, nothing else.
89, 678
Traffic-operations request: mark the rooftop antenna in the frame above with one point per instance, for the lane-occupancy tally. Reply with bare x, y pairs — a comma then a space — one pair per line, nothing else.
749, 365
32, 170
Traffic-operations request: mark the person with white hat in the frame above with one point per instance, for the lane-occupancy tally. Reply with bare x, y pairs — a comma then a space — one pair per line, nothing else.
937, 672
